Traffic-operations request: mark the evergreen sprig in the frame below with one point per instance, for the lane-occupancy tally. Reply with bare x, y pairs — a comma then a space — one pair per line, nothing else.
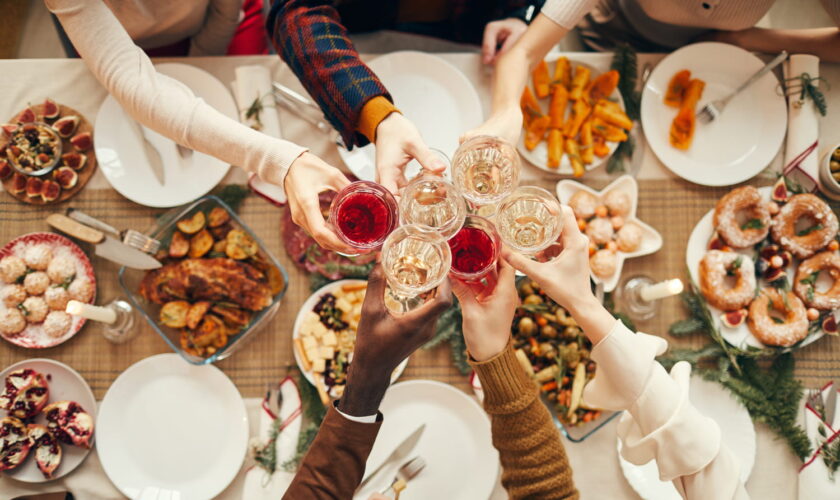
448, 329
627, 64
807, 87
313, 412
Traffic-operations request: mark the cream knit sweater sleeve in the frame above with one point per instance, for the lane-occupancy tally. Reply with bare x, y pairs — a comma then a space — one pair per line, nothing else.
567, 13
162, 103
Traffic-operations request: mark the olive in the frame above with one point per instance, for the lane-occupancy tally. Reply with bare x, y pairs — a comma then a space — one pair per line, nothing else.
533, 299
548, 331
836, 154
527, 326
835, 165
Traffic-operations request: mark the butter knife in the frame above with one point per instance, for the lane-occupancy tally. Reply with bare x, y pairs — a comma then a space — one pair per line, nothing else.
399, 453
106, 246
152, 154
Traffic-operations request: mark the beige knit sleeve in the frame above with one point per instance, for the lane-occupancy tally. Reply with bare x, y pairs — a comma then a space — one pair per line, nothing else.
567, 13
832, 7
534, 462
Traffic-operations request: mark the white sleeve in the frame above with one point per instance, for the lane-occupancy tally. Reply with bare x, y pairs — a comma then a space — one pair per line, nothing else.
567, 13
162, 103
660, 422
220, 25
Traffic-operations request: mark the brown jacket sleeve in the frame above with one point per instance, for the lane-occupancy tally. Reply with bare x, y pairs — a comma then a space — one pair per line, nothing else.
335, 463
534, 462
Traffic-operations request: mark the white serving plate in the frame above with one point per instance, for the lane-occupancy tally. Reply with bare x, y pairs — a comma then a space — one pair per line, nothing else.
651, 239
65, 384
737, 145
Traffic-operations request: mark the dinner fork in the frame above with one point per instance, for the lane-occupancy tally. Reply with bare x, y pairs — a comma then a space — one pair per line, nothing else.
816, 401
713, 109
406, 473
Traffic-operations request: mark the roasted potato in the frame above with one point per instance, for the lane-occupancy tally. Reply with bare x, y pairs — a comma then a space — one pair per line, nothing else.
200, 244
221, 232
275, 279
210, 329
179, 245
233, 316
174, 314
240, 246
193, 224
219, 247
196, 313
217, 217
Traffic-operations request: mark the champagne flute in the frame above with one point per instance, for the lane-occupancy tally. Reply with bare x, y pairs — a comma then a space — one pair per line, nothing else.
486, 170
415, 259
475, 250
363, 214
431, 201
529, 220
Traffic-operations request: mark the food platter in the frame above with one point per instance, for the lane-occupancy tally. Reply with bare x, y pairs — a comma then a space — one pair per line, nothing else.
34, 335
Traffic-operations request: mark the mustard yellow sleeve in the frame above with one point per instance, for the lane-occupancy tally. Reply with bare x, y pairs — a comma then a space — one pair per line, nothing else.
373, 112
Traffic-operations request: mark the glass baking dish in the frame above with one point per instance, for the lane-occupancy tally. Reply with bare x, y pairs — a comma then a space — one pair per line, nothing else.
579, 433
130, 282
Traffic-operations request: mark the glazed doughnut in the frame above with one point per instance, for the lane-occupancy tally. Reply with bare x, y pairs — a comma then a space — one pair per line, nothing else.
583, 204
715, 266
739, 202
794, 325
823, 261
784, 230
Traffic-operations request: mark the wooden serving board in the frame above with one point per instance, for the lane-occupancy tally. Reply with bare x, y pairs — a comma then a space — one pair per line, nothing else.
84, 174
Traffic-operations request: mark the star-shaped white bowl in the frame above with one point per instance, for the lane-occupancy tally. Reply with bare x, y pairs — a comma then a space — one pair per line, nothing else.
651, 239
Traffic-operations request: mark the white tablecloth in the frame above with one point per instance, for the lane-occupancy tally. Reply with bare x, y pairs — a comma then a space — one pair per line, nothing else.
595, 461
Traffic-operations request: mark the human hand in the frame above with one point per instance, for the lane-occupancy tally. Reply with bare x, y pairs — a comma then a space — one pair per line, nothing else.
398, 142
383, 341
307, 177
505, 123
504, 33
487, 318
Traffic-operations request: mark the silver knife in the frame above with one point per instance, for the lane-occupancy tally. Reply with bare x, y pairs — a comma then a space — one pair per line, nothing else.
106, 246
399, 453
831, 406
152, 154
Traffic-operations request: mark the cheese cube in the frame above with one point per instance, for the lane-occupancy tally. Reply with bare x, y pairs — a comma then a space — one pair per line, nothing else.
343, 304
318, 366
312, 354
326, 352
319, 330
309, 342
329, 339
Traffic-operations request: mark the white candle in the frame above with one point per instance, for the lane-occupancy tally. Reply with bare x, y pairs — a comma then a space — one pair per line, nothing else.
661, 290
95, 313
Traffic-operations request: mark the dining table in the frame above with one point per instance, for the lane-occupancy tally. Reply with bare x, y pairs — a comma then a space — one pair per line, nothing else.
669, 204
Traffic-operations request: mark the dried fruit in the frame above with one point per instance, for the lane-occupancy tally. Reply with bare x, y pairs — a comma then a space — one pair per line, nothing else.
734, 319
74, 160
66, 126
829, 325
780, 191
26, 116
66, 177
10, 128
5, 169
51, 110
18, 183
50, 191
34, 186
769, 251
82, 142
774, 274
776, 261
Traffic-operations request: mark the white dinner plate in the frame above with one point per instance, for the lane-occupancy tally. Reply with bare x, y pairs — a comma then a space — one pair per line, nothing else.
737, 434
121, 154
461, 463
309, 305
170, 428
432, 93
65, 384
697, 246
737, 145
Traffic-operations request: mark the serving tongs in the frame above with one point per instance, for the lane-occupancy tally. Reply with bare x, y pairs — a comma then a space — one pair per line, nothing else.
301, 106
130, 237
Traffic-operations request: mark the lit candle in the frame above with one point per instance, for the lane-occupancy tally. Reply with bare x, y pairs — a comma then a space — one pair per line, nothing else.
661, 290
95, 313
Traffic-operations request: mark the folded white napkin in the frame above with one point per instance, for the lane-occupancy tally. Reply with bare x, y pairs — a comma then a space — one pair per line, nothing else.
801, 160
258, 483
814, 481
254, 82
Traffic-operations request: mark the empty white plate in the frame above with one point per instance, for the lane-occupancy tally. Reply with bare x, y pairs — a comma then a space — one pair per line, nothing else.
168, 427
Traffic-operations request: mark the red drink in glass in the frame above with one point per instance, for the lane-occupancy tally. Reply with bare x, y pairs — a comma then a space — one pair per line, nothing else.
363, 214
475, 249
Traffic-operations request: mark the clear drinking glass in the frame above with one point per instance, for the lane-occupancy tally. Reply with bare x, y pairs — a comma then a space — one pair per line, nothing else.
431, 201
475, 250
529, 220
416, 259
363, 214
486, 170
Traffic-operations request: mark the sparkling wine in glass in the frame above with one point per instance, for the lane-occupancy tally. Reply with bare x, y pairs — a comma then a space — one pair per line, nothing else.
475, 250
486, 170
363, 214
415, 259
529, 220
431, 201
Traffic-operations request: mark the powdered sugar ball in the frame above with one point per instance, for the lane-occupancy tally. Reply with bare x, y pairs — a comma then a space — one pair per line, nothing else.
12, 295
57, 323
35, 309
583, 203
12, 268
600, 231
38, 257
81, 289
629, 238
61, 269
57, 298
36, 283
603, 263
12, 322
618, 202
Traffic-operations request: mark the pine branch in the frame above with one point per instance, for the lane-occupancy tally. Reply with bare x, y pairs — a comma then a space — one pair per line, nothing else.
625, 62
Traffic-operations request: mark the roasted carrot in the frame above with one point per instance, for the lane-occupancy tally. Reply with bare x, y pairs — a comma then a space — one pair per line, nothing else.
555, 147
579, 82
557, 108
603, 86
612, 113
587, 154
536, 131
573, 152
580, 111
549, 386
682, 128
535, 347
563, 73
529, 105
676, 88
609, 132
541, 79
599, 146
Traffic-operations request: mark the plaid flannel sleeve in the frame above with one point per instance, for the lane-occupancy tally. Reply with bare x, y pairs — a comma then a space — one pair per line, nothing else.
310, 38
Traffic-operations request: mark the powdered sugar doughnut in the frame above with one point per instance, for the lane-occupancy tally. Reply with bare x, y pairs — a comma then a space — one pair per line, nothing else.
742, 203
715, 266
804, 244
789, 310
828, 262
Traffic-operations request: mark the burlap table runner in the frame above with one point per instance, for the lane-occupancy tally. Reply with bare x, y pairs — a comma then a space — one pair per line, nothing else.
671, 206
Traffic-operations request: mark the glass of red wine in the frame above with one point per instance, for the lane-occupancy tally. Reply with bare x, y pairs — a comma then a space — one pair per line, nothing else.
363, 214
475, 250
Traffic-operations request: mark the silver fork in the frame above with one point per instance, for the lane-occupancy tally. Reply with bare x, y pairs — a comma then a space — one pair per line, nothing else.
816, 401
406, 473
713, 109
